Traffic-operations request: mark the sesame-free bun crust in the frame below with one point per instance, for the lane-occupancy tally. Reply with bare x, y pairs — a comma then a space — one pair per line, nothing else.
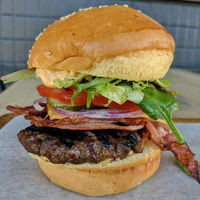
112, 41
107, 178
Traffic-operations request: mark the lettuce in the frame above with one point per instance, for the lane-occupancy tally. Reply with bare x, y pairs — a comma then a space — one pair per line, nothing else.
67, 82
120, 94
115, 90
19, 75
141, 85
91, 88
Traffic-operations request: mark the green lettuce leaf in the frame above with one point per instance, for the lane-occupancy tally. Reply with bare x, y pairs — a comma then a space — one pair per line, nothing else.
19, 75
120, 93
141, 85
67, 82
159, 104
90, 87
115, 90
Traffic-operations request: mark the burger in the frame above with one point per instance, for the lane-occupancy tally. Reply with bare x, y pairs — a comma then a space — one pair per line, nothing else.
105, 114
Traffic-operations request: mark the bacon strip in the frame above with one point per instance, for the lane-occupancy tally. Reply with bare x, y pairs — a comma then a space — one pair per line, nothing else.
28, 110
159, 133
38, 118
82, 124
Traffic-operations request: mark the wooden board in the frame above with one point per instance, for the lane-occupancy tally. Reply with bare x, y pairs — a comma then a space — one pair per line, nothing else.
188, 85
23, 93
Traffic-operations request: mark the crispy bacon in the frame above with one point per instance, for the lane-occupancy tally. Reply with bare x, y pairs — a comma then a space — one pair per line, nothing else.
83, 124
28, 110
38, 118
159, 133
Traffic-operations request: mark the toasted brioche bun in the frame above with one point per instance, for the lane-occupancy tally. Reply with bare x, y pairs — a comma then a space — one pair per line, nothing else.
108, 41
105, 178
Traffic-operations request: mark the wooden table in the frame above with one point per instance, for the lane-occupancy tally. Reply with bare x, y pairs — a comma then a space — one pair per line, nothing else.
23, 93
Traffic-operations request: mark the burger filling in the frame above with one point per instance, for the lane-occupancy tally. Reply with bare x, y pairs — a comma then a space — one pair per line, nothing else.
76, 146
92, 119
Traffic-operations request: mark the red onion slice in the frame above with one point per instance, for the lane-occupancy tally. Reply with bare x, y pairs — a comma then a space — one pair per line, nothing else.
37, 102
98, 113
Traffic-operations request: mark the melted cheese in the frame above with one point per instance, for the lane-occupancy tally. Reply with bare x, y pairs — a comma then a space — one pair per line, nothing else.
54, 115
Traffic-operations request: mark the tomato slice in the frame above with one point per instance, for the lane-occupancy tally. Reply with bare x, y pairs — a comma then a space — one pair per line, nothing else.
62, 95
128, 105
65, 95
99, 100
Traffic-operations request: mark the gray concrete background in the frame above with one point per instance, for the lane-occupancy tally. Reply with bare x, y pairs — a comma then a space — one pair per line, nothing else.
22, 20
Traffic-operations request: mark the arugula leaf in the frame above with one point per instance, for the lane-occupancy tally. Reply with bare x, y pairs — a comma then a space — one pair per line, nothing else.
184, 168
164, 84
159, 104
91, 84
19, 75
90, 95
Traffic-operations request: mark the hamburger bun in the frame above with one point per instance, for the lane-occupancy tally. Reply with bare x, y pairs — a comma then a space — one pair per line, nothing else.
109, 41
105, 178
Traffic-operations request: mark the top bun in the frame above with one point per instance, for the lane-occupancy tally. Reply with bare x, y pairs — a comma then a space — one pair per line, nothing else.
108, 41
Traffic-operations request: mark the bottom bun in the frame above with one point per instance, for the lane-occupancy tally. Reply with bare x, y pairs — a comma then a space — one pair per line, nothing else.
105, 181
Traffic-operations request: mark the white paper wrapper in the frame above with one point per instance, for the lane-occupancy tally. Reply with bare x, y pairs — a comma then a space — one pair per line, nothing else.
21, 178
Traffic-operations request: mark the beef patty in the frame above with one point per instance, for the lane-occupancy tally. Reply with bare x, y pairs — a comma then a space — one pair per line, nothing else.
78, 146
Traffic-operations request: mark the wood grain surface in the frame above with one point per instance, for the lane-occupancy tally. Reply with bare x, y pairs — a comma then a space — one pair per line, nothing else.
4, 119
23, 93
188, 86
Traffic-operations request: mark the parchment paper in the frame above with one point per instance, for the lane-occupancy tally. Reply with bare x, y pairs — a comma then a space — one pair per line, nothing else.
21, 179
